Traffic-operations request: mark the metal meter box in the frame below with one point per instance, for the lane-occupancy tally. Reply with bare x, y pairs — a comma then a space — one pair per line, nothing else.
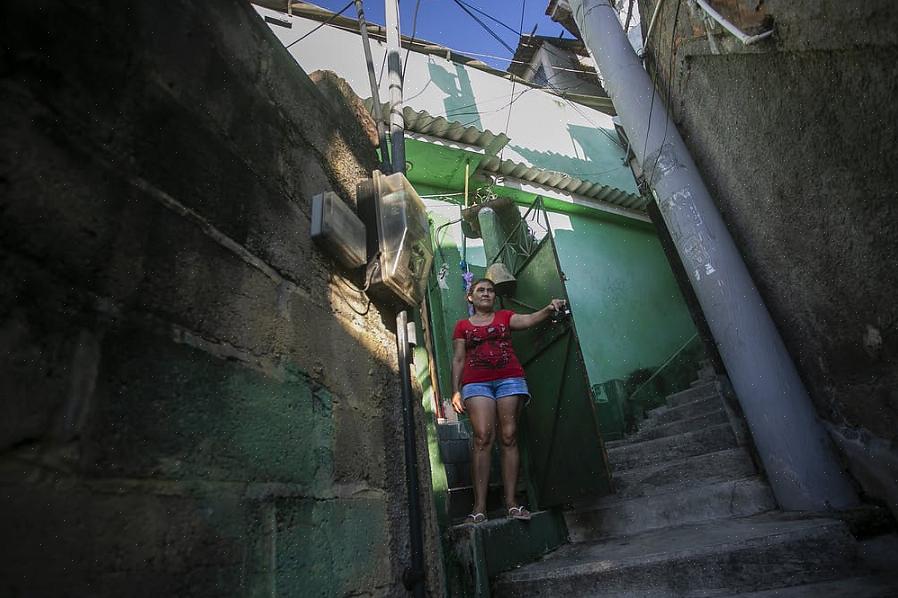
337, 229
399, 247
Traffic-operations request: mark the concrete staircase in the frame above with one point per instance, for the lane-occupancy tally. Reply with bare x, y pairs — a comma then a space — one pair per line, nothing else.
693, 517
478, 553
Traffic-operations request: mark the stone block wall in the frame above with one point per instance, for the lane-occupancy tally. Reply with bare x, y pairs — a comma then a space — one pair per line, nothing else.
194, 401
794, 137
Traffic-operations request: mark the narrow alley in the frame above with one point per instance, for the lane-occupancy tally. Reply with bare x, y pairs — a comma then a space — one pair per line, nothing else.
449, 298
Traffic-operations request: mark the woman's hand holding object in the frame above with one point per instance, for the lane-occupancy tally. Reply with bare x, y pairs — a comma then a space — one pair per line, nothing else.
557, 305
457, 403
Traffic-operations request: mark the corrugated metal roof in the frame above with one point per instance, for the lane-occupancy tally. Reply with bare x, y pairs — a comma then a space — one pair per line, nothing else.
563, 182
419, 121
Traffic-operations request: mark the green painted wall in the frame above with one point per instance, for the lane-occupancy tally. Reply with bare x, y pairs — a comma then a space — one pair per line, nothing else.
627, 308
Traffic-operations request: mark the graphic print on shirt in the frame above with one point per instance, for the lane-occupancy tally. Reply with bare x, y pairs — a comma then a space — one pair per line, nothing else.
488, 347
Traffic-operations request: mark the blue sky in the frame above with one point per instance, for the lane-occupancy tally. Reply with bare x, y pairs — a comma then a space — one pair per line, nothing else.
444, 22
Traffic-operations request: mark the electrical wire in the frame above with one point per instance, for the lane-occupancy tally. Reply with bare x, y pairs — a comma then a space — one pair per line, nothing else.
673, 37
577, 109
629, 16
485, 26
458, 112
408, 50
490, 17
330, 19
469, 54
513, 80
461, 110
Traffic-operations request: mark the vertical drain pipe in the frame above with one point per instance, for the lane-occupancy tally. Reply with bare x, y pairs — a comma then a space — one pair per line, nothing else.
413, 577
797, 455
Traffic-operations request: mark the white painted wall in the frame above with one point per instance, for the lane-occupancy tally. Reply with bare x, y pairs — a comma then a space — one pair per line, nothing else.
545, 130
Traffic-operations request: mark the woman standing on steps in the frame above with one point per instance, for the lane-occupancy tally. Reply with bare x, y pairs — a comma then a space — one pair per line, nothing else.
488, 383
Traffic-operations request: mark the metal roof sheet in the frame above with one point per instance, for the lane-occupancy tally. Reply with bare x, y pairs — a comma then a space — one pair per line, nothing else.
419, 121
563, 182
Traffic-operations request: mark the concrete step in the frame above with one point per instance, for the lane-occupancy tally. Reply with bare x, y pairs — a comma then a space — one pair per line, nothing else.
862, 586
461, 500
695, 393
479, 552
870, 586
703, 420
719, 466
670, 448
614, 516
732, 555
665, 415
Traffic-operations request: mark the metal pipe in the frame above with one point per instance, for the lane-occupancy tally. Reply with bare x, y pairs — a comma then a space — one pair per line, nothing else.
413, 577
491, 233
375, 92
426, 316
745, 39
796, 452
394, 71
648, 32
467, 179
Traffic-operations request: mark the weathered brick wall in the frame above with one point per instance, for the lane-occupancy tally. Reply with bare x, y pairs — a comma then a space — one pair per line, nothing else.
192, 400
794, 137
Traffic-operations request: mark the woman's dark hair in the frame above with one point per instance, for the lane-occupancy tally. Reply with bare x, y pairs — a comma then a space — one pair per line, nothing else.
477, 282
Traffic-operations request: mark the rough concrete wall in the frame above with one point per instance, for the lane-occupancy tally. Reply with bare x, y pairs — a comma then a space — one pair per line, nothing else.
794, 138
192, 401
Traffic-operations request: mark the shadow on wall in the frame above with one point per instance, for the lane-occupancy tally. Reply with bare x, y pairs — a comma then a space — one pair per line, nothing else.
599, 158
459, 102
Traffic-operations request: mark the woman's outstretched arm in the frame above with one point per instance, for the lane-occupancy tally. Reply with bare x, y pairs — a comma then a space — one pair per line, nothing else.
522, 321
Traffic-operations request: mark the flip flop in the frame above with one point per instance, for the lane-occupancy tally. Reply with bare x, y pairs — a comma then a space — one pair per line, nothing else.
475, 518
519, 512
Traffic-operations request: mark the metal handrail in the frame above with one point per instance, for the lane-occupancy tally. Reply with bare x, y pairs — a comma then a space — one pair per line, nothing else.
663, 365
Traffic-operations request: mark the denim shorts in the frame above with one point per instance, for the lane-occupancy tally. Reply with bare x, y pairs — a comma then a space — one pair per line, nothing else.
496, 389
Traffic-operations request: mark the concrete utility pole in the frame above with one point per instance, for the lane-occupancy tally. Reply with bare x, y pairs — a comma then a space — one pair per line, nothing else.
413, 577
394, 70
797, 454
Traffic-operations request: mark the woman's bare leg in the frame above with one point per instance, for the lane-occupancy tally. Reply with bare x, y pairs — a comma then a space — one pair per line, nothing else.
508, 408
482, 412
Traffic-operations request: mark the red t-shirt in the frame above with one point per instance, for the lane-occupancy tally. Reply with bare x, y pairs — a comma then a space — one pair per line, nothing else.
488, 352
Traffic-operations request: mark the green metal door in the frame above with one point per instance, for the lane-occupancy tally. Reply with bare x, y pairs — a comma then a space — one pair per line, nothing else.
566, 459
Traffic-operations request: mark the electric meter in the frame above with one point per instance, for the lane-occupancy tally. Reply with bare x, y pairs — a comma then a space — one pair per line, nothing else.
399, 247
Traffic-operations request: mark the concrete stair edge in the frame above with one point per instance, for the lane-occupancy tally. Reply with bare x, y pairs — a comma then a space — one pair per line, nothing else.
628, 516
664, 414
866, 586
675, 427
719, 565
696, 393
678, 446
726, 464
